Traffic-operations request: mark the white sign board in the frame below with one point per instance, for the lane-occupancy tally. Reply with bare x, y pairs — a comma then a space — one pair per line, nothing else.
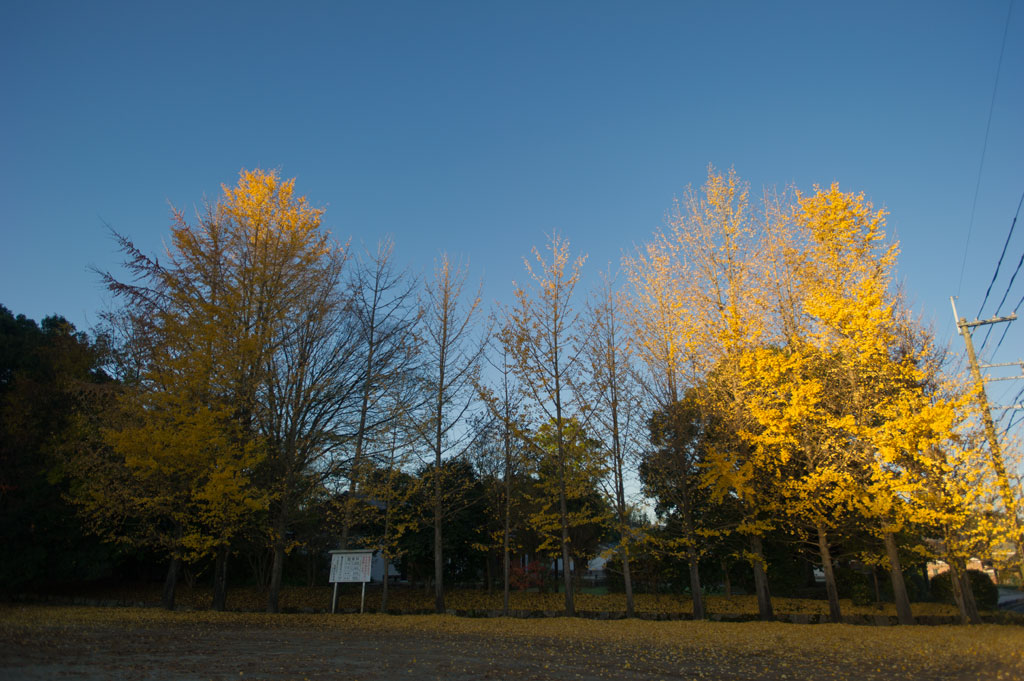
350, 566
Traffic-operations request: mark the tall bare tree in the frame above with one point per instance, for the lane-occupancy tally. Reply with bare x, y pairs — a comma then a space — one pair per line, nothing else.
540, 334
504, 403
617, 402
451, 350
310, 393
382, 302
389, 487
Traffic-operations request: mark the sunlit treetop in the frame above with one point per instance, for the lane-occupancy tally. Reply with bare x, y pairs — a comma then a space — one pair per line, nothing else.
263, 201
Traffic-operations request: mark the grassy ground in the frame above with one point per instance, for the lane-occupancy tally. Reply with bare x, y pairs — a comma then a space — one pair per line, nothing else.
39, 642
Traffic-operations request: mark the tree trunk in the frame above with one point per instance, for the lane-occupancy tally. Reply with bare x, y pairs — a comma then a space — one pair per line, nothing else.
506, 562
346, 521
727, 583
438, 549
489, 572
220, 579
506, 526
276, 572
384, 582
277, 567
764, 598
970, 604
570, 606
620, 491
963, 594
438, 499
834, 613
171, 583
563, 512
372, 342
188, 575
313, 559
899, 589
696, 593
627, 579
958, 592
259, 562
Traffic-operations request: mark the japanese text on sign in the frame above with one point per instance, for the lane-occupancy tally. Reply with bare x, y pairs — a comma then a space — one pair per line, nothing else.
350, 567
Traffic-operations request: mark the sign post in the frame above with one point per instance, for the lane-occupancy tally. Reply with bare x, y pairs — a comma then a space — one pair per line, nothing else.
350, 566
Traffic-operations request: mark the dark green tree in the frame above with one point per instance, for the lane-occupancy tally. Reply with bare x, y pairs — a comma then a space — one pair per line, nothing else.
465, 533
52, 394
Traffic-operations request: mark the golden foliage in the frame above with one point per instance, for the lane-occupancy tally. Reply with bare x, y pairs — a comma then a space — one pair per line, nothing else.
202, 328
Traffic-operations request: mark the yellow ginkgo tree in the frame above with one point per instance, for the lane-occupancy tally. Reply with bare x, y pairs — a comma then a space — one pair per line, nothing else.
880, 416
801, 445
240, 353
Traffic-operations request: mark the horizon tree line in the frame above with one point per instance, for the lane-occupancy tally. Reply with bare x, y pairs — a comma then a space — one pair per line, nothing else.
757, 370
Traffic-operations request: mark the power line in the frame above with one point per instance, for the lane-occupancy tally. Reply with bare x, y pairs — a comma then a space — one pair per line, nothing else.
1013, 415
1008, 286
1015, 308
985, 340
984, 146
1000, 262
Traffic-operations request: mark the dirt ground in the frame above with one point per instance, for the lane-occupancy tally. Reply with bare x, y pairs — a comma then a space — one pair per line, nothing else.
183, 648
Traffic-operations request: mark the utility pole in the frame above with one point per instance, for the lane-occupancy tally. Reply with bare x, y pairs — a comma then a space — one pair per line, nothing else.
963, 327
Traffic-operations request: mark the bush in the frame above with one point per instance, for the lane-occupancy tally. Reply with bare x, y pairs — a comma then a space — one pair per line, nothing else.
861, 593
532, 576
856, 585
986, 595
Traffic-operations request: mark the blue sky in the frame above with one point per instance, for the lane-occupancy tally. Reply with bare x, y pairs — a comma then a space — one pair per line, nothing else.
479, 127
